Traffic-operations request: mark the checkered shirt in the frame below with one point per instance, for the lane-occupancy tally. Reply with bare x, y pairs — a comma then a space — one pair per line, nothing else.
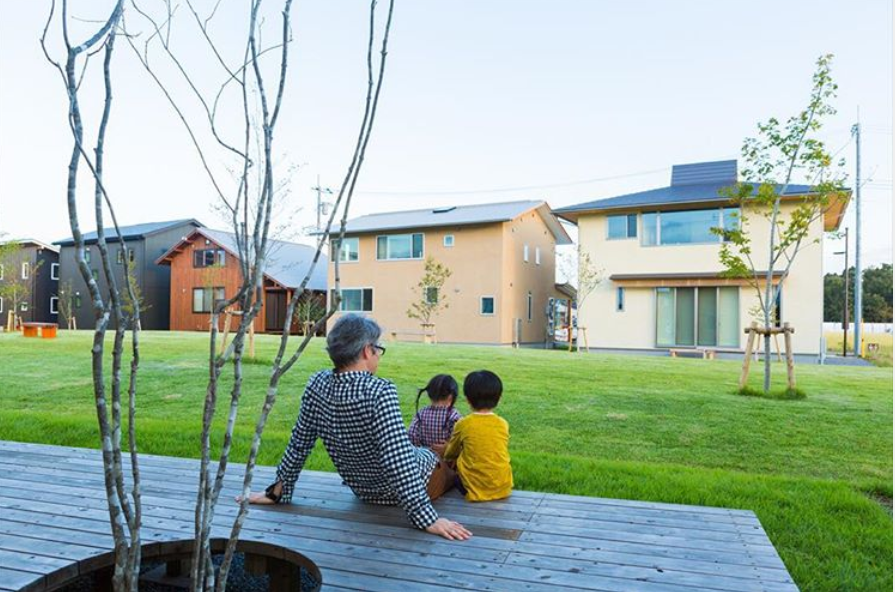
433, 425
358, 418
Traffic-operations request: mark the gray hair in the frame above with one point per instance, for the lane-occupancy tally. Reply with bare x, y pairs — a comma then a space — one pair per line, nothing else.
348, 338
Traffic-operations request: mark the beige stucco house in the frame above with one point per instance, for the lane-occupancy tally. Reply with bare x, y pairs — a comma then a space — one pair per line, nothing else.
662, 286
502, 259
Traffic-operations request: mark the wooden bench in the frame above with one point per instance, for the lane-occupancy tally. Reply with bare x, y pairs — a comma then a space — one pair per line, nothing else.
54, 522
428, 336
704, 353
47, 330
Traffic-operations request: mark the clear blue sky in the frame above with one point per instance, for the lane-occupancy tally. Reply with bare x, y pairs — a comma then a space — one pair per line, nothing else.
479, 96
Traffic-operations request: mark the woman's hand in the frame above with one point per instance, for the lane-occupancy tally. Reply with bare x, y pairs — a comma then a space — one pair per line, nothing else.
453, 531
256, 498
261, 498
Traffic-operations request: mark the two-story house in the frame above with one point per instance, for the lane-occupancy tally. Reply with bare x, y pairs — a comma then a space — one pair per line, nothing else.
29, 275
502, 258
663, 286
205, 268
143, 244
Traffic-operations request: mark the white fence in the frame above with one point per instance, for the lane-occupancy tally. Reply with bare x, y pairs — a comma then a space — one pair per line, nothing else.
866, 327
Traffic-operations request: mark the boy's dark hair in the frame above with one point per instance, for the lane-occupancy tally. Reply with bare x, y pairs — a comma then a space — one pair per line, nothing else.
482, 389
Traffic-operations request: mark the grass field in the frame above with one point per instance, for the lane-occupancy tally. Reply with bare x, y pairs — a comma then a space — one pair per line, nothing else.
882, 357
817, 472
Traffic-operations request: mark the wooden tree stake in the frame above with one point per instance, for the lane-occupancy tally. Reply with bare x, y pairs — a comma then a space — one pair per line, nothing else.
747, 359
790, 361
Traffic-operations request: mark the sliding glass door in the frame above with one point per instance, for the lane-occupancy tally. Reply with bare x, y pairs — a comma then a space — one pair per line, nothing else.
664, 317
704, 316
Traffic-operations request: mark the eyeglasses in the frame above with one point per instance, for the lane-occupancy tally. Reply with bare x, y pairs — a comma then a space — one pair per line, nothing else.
378, 347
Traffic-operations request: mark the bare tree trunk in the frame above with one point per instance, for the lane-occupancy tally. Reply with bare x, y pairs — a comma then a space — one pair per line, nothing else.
346, 192
121, 512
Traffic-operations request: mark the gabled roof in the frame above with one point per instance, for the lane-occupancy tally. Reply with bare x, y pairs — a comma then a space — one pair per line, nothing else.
31, 241
691, 184
133, 232
456, 216
287, 263
664, 196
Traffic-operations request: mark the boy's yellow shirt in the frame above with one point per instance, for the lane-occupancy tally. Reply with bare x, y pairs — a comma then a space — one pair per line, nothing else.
480, 443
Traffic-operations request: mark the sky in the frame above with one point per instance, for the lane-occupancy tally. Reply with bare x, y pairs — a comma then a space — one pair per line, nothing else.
566, 101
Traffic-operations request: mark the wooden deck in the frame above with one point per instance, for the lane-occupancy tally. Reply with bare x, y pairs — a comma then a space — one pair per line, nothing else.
53, 520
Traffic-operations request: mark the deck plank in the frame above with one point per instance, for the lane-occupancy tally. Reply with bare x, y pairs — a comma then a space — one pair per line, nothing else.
53, 516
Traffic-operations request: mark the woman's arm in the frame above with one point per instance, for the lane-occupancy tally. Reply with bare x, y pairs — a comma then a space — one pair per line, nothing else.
304, 436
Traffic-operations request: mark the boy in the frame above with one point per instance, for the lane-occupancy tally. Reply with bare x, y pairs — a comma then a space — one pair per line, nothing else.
480, 442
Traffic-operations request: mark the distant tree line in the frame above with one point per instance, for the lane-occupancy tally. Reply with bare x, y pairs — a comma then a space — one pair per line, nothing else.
877, 288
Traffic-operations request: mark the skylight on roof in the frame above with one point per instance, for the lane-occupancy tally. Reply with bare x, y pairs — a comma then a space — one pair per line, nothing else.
444, 210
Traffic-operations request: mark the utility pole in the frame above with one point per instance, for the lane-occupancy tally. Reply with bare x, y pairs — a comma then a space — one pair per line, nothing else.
845, 307
321, 205
858, 316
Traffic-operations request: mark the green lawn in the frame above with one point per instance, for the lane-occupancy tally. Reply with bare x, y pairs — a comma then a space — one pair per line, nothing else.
813, 470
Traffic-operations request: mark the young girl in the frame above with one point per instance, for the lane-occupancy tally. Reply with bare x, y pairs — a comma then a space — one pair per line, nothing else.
480, 443
432, 426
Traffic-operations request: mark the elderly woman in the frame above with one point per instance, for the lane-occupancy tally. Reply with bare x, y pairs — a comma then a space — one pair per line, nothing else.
358, 417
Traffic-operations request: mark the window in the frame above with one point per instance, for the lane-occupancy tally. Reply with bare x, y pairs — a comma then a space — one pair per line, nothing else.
487, 306
87, 254
704, 316
1, 303
54, 271
525, 253
54, 305
431, 295
619, 299
95, 274
23, 307
1, 271
537, 255
688, 227
449, 240
208, 257
399, 246
355, 299
130, 255
529, 306
204, 299
77, 300
622, 226
26, 270
350, 249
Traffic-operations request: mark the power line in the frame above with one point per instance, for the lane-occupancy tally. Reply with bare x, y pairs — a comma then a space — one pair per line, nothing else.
509, 189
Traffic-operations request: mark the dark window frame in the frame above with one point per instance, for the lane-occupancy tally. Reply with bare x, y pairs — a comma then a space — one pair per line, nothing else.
205, 301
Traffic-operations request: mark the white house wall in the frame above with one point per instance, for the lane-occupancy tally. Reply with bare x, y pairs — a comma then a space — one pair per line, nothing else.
635, 327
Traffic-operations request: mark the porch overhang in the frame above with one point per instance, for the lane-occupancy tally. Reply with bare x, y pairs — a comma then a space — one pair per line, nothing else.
687, 280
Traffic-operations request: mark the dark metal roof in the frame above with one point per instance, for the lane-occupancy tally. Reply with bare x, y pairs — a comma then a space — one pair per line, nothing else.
666, 196
694, 183
132, 232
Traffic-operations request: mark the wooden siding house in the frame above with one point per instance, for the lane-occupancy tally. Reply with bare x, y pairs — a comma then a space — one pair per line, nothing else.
205, 268
34, 266
143, 243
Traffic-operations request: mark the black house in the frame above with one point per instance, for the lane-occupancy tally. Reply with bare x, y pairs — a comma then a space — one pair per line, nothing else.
33, 272
143, 244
